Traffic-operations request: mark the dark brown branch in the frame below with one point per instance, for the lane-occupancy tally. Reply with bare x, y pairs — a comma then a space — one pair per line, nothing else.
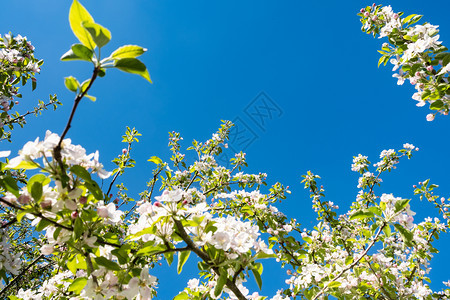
14, 220
57, 150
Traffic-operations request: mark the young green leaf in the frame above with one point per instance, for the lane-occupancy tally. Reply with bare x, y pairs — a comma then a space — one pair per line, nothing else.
128, 51
99, 34
36, 190
102, 261
134, 66
83, 52
71, 83
77, 285
220, 283
182, 258
77, 15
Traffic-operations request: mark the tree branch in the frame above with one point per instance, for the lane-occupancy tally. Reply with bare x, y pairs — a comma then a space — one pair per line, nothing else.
325, 288
205, 257
20, 275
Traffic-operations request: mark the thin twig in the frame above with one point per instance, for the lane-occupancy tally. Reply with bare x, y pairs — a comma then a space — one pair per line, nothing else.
325, 288
20, 275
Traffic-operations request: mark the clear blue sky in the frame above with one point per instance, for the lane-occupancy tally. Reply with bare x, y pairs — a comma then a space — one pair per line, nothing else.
210, 59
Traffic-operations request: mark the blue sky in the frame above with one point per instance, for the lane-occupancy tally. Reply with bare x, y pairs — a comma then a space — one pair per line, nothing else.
209, 60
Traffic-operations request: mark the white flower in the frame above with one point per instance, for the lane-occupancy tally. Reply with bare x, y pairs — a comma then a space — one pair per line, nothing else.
47, 249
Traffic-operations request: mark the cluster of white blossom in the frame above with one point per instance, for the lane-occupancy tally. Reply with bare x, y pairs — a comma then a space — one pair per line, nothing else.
16, 56
415, 60
8, 260
71, 155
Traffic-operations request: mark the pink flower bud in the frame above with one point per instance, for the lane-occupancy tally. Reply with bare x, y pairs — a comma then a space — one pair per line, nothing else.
74, 215
430, 117
418, 74
442, 200
46, 204
362, 10
24, 199
366, 14
430, 68
124, 151
185, 202
158, 204
83, 200
395, 16
17, 102
116, 201
374, 18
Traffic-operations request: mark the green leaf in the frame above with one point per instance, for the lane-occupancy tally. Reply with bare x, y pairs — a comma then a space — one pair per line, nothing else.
182, 258
134, 66
102, 261
181, 296
128, 51
220, 283
42, 225
169, 257
82, 52
334, 284
437, 105
44, 180
10, 185
406, 234
401, 204
84, 85
99, 34
26, 165
78, 228
95, 190
36, 190
150, 250
69, 55
92, 98
362, 214
71, 83
78, 285
122, 255
72, 265
81, 172
77, 15
257, 271
156, 160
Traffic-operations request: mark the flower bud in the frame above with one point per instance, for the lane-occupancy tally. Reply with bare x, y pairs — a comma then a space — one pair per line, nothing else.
362, 10
24, 199
396, 16
46, 204
430, 117
124, 151
366, 14
158, 204
374, 18
83, 200
418, 74
74, 215
430, 68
